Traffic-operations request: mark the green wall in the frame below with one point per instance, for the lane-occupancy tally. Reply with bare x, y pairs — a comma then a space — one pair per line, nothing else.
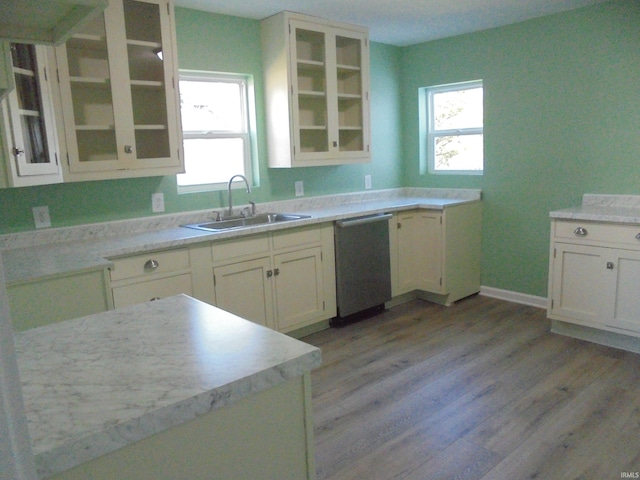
224, 44
562, 118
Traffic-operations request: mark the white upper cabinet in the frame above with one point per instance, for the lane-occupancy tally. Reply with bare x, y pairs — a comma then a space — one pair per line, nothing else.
47, 22
118, 84
317, 91
32, 149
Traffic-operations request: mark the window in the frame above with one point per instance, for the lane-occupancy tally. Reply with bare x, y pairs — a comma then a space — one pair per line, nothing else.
217, 115
454, 128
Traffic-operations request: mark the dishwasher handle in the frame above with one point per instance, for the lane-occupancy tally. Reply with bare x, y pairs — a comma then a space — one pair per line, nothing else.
352, 222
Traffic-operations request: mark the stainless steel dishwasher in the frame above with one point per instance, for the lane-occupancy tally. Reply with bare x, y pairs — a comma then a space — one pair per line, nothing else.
363, 272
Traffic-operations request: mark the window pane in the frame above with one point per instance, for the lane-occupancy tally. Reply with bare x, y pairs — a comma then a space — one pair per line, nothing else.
458, 109
213, 160
459, 152
211, 106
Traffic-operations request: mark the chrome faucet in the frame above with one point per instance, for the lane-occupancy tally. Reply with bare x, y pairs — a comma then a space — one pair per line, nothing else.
229, 189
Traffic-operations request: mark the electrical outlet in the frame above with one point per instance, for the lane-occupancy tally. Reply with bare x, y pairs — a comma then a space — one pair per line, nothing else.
157, 202
367, 182
299, 188
41, 217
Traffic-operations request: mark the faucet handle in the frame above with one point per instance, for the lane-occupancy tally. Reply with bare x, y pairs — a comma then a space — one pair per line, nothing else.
253, 209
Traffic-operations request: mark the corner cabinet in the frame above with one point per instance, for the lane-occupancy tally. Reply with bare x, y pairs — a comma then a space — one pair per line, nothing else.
437, 252
118, 85
317, 91
594, 275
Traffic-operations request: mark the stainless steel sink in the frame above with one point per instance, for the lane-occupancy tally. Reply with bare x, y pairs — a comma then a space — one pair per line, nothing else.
260, 219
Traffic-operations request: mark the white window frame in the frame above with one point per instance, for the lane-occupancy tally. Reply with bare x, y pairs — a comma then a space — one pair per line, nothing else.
432, 134
248, 134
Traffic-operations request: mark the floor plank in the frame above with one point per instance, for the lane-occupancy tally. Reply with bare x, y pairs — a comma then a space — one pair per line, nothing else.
478, 390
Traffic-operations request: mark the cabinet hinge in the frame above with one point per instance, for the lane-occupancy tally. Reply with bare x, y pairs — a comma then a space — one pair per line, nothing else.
68, 159
554, 253
58, 75
56, 157
289, 29
214, 280
440, 220
440, 281
46, 74
168, 9
552, 303
323, 307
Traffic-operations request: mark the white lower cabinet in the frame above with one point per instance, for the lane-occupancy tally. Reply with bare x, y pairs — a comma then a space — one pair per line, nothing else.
437, 252
151, 276
244, 289
299, 289
284, 280
41, 302
594, 276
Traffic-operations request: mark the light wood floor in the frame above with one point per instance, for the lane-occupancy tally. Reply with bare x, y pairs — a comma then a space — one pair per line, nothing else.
478, 390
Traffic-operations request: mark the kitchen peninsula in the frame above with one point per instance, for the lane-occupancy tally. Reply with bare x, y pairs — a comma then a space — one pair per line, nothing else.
169, 389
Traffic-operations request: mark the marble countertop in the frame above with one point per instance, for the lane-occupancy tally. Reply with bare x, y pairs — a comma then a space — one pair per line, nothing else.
74, 250
98, 383
621, 209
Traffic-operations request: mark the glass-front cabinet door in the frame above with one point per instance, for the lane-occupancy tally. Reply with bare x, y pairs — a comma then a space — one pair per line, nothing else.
29, 119
117, 74
330, 112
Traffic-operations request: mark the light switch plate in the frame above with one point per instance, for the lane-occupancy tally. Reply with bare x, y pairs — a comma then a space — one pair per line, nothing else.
367, 182
157, 202
41, 217
299, 188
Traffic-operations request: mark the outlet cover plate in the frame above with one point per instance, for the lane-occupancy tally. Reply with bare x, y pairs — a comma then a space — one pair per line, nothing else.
41, 217
157, 202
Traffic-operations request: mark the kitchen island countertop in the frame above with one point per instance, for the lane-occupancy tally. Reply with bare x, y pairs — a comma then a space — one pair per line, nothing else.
99, 383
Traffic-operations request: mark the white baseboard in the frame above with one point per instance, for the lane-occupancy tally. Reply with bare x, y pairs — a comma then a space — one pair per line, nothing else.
523, 298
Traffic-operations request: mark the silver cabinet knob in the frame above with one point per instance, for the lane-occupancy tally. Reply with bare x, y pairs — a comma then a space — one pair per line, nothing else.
151, 265
638, 236
18, 152
128, 149
580, 232
609, 265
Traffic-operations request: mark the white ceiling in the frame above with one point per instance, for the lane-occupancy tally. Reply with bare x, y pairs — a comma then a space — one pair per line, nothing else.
400, 22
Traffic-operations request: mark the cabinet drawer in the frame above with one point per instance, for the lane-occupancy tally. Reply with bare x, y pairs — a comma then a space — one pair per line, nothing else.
590, 232
150, 263
152, 290
296, 237
239, 247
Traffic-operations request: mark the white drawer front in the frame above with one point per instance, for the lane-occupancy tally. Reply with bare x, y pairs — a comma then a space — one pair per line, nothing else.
149, 264
588, 232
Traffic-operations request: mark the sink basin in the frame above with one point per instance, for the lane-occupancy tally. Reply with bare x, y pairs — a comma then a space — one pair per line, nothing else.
260, 219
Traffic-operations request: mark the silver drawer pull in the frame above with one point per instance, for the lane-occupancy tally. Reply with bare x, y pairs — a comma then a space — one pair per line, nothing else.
580, 232
151, 265
638, 236
154, 299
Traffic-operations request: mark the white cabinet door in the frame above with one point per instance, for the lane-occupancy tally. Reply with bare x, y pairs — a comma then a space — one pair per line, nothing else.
119, 101
244, 289
29, 119
579, 282
624, 290
419, 251
298, 287
317, 89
